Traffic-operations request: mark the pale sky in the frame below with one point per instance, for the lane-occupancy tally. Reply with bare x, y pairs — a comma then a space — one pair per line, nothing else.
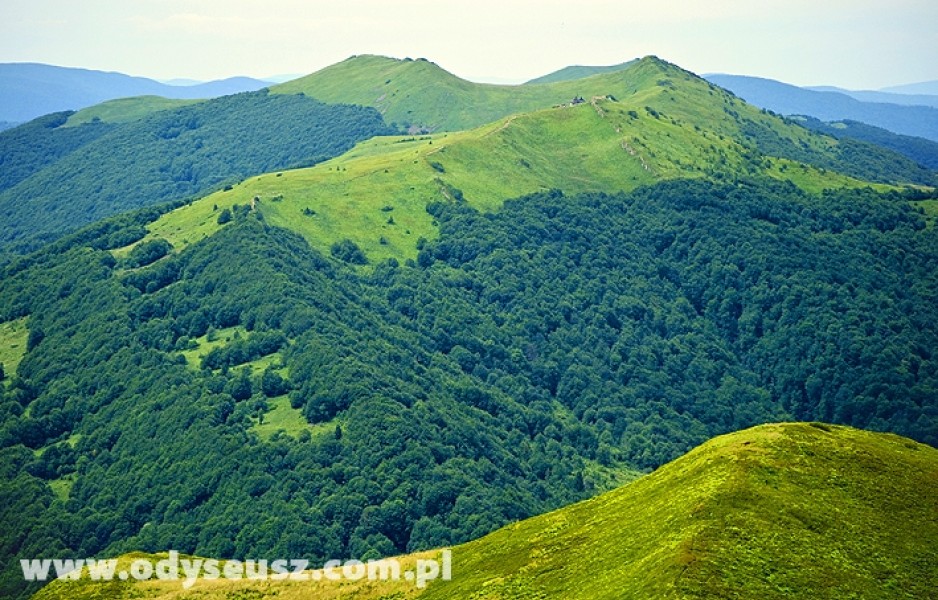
856, 44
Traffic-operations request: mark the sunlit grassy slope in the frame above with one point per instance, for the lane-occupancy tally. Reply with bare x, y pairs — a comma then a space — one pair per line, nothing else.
791, 510
124, 110
13, 337
649, 122
422, 94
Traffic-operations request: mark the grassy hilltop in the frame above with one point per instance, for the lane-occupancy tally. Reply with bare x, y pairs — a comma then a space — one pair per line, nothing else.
792, 510
649, 122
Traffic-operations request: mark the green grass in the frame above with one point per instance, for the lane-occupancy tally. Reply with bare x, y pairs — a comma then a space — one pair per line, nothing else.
792, 510
931, 210
124, 110
779, 511
13, 336
62, 487
220, 338
289, 420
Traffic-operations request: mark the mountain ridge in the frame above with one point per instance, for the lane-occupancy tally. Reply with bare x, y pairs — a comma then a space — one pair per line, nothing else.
919, 121
662, 120
648, 122
421, 95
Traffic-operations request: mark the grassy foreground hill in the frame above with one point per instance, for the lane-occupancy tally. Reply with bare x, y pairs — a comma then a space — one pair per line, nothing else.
792, 510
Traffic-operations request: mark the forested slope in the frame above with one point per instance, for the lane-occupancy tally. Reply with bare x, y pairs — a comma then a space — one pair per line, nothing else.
527, 358
96, 170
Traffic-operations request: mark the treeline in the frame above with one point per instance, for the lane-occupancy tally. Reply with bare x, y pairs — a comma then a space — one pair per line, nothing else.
62, 178
526, 359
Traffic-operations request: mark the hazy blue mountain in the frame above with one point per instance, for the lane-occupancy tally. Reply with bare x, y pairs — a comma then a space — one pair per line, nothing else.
919, 121
29, 90
888, 97
923, 87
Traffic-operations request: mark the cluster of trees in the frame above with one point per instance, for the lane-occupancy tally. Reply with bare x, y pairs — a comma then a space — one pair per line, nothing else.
106, 169
526, 359
244, 350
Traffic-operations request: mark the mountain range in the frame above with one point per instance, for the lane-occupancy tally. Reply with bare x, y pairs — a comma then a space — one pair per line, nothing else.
94, 155
919, 121
380, 310
30, 90
882, 96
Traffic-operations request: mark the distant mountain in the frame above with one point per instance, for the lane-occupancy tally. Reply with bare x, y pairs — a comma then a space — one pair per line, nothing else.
920, 121
887, 97
578, 72
924, 87
30, 90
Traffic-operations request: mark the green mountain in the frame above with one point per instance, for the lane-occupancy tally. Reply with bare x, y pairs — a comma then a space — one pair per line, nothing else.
167, 152
577, 72
779, 511
661, 123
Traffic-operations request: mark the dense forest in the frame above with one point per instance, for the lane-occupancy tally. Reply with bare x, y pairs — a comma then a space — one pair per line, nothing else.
33, 146
105, 169
527, 358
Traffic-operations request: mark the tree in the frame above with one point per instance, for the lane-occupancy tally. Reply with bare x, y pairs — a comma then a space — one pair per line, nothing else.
272, 384
224, 216
239, 388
